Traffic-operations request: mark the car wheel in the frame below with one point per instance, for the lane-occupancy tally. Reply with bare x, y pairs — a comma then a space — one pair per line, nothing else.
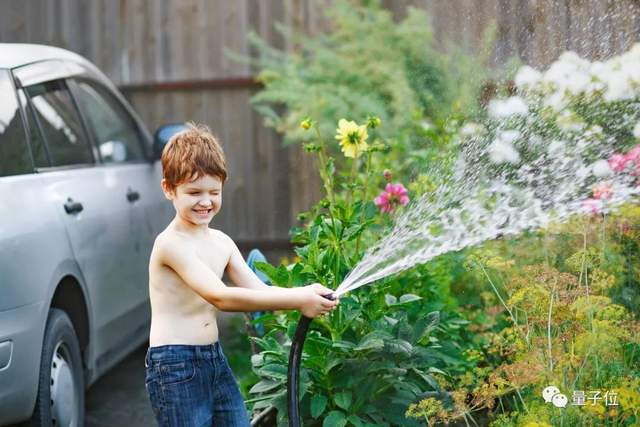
60, 399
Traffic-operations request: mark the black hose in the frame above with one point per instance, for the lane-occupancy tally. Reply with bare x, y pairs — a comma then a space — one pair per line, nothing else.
293, 377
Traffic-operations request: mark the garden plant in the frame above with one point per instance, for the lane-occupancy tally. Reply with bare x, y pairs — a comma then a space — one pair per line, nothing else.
475, 336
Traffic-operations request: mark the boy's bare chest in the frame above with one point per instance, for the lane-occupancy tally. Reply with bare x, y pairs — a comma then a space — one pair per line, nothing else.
214, 254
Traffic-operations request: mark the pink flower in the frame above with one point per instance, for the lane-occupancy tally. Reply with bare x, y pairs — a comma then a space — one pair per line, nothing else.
618, 162
624, 228
592, 205
633, 157
602, 191
392, 196
633, 154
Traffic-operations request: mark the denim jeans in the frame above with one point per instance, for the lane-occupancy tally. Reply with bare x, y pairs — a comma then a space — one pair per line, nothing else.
192, 385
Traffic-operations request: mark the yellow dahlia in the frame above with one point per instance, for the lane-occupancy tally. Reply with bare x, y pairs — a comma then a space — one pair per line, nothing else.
352, 137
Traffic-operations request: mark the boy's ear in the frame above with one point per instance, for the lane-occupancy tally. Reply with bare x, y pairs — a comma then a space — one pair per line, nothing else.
168, 192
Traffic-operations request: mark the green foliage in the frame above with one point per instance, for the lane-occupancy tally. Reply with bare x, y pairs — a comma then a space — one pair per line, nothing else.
471, 337
382, 348
367, 64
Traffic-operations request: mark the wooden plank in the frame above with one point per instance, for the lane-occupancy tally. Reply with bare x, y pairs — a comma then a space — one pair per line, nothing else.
13, 26
212, 35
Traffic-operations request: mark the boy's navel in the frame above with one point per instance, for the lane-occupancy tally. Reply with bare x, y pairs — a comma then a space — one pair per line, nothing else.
206, 324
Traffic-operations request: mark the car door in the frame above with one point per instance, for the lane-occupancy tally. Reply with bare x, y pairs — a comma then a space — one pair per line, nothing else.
123, 150
92, 202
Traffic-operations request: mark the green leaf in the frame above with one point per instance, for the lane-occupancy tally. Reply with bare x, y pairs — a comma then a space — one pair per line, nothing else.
331, 166
346, 345
355, 420
277, 275
390, 299
257, 360
399, 346
343, 399
409, 298
390, 320
273, 370
370, 344
335, 419
370, 210
265, 385
299, 276
404, 299
318, 405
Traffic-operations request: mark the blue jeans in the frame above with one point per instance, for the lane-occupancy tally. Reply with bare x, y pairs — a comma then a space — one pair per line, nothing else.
193, 385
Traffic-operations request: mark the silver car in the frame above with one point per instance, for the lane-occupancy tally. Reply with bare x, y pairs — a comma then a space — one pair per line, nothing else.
80, 205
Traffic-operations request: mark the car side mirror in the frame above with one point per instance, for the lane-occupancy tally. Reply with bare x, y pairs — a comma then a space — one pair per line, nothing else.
113, 151
163, 135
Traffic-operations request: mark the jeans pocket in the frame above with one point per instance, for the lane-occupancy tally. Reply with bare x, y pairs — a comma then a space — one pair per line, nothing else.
177, 373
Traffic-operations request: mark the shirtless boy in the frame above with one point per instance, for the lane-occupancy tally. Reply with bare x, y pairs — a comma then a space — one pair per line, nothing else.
187, 375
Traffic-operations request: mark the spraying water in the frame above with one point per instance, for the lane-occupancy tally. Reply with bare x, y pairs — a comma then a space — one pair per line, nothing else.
521, 180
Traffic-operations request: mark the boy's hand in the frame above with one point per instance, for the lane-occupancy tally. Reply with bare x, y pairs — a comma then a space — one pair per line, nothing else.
313, 303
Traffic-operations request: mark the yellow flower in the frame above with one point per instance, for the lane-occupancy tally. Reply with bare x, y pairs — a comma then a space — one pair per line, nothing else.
306, 124
352, 137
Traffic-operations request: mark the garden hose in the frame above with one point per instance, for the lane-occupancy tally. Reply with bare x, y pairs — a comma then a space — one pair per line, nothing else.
293, 377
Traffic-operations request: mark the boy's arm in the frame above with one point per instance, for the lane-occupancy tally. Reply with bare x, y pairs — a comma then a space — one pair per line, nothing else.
183, 259
240, 273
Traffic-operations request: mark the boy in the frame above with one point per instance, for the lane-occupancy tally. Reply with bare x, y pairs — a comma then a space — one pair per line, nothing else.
187, 375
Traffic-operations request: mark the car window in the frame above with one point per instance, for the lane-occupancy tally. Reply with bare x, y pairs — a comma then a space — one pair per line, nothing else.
59, 123
38, 147
15, 158
113, 127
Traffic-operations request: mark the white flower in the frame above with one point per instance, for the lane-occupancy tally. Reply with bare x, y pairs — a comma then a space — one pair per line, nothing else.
596, 130
501, 149
601, 168
578, 83
557, 101
568, 121
509, 136
503, 108
472, 129
535, 140
527, 77
636, 130
556, 148
618, 87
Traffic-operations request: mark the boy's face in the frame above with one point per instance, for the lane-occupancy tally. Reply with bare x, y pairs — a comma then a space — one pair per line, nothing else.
197, 201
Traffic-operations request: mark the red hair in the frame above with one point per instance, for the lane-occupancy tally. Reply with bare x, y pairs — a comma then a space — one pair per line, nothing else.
191, 154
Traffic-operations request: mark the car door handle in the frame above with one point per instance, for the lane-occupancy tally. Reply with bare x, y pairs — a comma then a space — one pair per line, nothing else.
132, 196
72, 207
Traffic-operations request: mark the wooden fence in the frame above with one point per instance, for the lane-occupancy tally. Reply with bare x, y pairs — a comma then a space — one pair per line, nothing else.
169, 59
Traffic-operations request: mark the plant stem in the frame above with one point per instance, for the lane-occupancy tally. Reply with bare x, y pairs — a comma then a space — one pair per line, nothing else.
322, 156
522, 400
549, 332
352, 177
504, 304
366, 197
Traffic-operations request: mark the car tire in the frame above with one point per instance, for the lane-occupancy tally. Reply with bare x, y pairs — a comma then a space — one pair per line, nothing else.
60, 399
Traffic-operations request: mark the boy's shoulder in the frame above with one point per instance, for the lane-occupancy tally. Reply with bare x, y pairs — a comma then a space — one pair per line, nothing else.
172, 238
221, 236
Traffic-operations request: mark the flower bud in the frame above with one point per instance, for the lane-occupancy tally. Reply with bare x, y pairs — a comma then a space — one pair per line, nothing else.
387, 175
373, 122
324, 203
311, 148
306, 124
